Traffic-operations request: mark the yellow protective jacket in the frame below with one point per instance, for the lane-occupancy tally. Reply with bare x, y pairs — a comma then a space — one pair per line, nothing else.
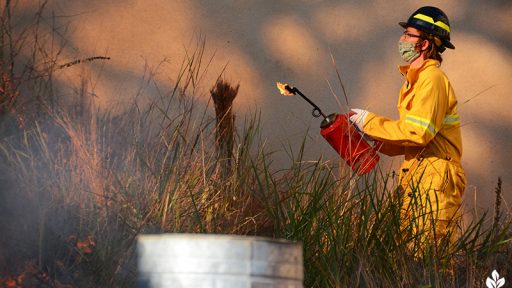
428, 135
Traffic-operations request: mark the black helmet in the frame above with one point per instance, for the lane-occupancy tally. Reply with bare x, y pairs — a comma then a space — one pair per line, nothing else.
432, 21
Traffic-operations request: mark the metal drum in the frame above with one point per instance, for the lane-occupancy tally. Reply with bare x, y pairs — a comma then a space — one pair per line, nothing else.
220, 261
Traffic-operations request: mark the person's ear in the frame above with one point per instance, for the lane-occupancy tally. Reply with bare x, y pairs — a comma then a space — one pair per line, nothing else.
424, 44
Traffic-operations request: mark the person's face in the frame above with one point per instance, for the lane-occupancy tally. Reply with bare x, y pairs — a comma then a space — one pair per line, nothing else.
410, 35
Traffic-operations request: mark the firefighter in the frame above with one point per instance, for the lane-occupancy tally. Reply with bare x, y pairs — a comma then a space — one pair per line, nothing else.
432, 180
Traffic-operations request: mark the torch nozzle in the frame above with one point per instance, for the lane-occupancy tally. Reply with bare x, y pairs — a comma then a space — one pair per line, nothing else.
290, 89
285, 89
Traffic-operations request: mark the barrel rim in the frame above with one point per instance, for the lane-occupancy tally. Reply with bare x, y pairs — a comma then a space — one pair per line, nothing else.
198, 236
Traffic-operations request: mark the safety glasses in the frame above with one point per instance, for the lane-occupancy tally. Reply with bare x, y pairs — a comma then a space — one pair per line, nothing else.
408, 35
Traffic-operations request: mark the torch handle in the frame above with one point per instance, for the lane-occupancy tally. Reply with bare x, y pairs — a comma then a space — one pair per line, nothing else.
316, 108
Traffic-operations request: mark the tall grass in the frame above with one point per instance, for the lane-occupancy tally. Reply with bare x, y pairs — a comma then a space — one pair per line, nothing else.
77, 188
104, 181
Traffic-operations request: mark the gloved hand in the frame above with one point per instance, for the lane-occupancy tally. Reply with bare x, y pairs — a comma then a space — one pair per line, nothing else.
358, 116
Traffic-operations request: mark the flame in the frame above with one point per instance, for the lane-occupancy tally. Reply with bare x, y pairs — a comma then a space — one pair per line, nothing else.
28, 273
283, 89
30, 276
9, 282
86, 246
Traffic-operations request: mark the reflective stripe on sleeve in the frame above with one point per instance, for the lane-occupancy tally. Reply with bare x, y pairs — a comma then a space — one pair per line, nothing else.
422, 123
452, 119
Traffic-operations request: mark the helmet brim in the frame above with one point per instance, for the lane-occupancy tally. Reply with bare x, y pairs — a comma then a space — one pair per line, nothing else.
446, 42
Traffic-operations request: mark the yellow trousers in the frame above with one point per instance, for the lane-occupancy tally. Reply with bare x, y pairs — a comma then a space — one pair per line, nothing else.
432, 189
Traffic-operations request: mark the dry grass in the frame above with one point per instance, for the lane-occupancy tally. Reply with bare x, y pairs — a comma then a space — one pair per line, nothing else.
85, 189
78, 185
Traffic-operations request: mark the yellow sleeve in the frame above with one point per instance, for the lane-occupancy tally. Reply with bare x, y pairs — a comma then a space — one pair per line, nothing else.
421, 122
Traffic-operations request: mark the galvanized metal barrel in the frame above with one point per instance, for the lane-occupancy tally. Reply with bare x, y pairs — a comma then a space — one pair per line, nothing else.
220, 261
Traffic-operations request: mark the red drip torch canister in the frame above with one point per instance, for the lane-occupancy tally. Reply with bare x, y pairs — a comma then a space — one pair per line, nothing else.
349, 143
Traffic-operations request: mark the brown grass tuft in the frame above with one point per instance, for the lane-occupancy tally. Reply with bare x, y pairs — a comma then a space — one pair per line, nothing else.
223, 95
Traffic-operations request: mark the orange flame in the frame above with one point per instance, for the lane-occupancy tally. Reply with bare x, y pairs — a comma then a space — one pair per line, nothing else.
283, 89
10, 283
86, 246
31, 276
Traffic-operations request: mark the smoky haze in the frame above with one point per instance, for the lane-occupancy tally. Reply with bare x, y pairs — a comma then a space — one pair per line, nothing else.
255, 44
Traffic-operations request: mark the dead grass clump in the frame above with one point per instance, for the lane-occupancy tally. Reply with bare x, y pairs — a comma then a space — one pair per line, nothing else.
223, 95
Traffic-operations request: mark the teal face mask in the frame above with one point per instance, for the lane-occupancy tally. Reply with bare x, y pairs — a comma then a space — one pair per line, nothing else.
408, 51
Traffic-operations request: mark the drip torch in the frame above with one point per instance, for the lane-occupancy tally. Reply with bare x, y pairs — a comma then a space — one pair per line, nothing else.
341, 134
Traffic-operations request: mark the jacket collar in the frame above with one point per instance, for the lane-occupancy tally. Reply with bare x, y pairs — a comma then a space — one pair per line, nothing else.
411, 74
